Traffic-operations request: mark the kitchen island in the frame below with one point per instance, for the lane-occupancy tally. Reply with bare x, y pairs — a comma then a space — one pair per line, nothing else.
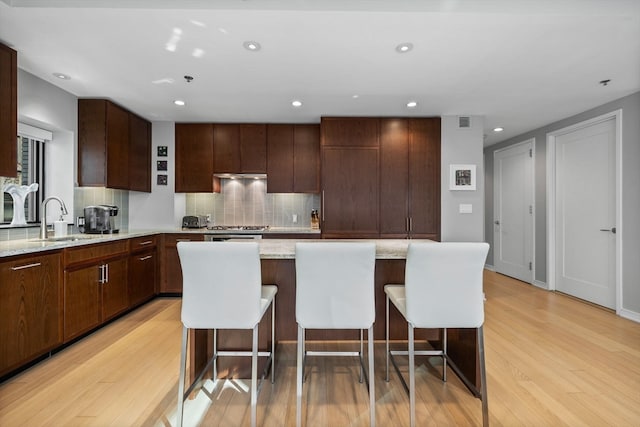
278, 267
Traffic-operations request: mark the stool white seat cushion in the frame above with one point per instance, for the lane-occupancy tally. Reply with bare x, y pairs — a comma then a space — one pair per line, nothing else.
396, 294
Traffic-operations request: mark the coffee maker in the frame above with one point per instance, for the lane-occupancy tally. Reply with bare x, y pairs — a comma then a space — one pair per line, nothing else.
99, 219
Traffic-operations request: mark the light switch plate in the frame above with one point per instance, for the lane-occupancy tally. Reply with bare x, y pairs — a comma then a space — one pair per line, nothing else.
466, 208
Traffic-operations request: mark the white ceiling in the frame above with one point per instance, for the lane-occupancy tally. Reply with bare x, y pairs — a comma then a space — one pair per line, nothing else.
519, 63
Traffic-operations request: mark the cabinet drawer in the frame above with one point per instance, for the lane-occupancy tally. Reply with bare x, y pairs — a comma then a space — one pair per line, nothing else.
171, 240
142, 243
95, 252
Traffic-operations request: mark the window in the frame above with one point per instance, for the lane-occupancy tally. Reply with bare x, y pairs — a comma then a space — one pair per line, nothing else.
30, 169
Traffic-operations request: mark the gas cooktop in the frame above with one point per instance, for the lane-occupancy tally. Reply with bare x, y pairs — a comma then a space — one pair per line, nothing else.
239, 227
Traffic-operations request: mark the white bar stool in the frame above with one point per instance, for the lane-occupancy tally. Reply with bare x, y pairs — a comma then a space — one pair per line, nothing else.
335, 290
443, 289
222, 289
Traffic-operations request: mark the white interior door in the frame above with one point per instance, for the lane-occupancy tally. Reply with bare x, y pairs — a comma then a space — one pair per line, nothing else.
513, 211
586, 213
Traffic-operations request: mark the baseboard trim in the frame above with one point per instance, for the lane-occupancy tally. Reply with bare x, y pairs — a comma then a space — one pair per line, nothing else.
628, 314
490, 267
540, 284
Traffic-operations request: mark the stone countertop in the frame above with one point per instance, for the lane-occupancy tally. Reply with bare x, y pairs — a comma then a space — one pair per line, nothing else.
286, 248
271, 230
269, 248
31, 246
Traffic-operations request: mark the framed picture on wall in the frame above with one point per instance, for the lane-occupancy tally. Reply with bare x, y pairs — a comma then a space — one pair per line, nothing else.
462, 177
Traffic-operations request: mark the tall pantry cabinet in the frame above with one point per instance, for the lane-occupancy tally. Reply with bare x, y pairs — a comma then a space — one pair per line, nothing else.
410, 178
380, 177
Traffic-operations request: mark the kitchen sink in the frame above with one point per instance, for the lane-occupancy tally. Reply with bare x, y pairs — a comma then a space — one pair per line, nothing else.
63, 239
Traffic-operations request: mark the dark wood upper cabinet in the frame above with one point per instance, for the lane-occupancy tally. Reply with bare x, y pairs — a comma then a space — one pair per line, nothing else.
117, 146
293, 158
8, 111
253, 148
194, 158
349, 131
113, 152
139, 154
239, 148
410, 178
306, 158
279, 158
226, 148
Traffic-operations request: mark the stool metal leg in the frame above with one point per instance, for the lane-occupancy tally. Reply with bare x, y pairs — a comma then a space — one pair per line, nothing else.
444, 355
412, 378
483, 378
361, 356
183, 368
214, 372
299, 375
386, 338
273, 340
372, 387
254, 376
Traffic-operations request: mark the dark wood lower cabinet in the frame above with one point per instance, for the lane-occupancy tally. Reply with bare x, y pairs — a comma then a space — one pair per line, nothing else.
171, 281
95, 286
93, 295
81, 301
115, 289
30, 308
142, 276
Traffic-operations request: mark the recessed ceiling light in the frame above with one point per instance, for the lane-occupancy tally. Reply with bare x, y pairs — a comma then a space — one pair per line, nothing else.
412, 104
62, 76
355, 96
252, 46
404, 47
179, 102
296, 103
498, 129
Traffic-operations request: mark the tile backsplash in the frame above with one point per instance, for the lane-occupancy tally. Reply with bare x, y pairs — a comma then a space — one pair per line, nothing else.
88, 196
246, 202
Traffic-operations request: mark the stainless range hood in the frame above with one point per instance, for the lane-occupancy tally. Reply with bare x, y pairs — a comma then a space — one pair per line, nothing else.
241, 175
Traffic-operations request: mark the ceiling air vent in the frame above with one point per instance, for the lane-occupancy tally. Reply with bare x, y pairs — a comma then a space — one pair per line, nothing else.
464, 122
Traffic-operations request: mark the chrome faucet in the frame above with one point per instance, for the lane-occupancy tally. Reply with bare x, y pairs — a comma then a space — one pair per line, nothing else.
43, 209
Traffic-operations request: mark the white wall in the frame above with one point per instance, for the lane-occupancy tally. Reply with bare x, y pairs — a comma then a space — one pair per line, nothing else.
462, 146
46, 106
161, 209
629, 230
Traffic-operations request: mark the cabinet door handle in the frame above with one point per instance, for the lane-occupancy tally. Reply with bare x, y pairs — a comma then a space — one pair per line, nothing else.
22, 267
183, 240
106, 269
144, 258
147, 242
410, 224
101, 274
322, 203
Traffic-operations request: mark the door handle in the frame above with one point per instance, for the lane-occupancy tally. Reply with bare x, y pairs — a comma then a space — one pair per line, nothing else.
496, 222
612, 230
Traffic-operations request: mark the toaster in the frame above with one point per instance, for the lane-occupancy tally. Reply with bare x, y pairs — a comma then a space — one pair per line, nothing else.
194, 221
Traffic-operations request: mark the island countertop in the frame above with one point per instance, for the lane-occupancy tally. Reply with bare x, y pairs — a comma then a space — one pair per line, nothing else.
286, 248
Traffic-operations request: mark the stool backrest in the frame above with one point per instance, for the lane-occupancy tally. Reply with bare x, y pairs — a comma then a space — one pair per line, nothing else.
221, 284
443, 284
335, 285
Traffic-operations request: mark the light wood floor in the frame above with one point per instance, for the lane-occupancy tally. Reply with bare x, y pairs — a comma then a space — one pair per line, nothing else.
551, 360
